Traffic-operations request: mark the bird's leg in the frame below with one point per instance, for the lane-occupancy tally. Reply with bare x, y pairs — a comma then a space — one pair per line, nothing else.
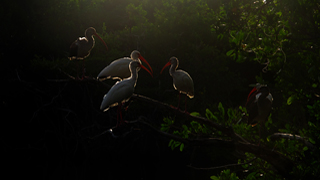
185, 105
77, 68
178, 101
83, 70
128, 104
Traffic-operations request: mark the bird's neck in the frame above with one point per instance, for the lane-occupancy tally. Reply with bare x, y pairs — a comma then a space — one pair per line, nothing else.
136, 59
90, 38
134, 76
264, 95
173, 68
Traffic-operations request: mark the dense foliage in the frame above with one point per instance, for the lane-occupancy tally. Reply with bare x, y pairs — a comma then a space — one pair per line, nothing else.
225, 45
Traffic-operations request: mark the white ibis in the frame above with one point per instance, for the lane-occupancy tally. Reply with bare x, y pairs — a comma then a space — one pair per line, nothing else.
122, 90
182, 81
81, 47
259, 103
119, 69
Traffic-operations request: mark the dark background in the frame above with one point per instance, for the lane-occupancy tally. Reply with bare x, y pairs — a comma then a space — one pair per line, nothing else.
53, 128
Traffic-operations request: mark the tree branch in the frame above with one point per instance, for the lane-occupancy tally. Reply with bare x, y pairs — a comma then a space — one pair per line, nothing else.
288, 136
225, 130
225, 166
281, 163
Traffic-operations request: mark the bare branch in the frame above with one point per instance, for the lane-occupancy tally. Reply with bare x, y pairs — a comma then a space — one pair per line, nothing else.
288, 136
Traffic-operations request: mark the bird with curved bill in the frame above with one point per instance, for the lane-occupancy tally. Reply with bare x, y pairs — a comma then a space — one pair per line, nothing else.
81, 48
259, 105
122, 90
119, 69
182, 81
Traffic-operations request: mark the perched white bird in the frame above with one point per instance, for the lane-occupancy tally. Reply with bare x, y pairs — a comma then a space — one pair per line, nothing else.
81, 47
119, 69
182, 81
259, 104
122, 90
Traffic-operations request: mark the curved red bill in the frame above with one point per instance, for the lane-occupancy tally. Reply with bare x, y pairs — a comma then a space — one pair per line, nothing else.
146, 69
251, 94
101, 40
166, 65
252, 91
145, 61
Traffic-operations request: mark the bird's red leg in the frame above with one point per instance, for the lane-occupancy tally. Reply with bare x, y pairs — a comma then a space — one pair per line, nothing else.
119, 115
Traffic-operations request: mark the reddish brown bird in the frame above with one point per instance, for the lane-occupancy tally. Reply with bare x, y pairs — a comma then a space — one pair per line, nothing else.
182, 81
81, 47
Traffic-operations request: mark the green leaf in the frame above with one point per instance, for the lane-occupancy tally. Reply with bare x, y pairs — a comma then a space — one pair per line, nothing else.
309, 107
210, 115
170, 143
291, 99
312, 141
221, 109
214, 178
279, 13
252, 175
185, 127
230, 52
176, 144
220, 36
233, 176
231, 114
195, 114
164, 128
181, 147
311, 124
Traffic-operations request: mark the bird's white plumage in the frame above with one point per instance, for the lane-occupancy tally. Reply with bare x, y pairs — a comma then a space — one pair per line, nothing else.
119, 93
82, 38
257, 97
122, 90
182, 81
81, 47
119, 69
270, 97
259, 104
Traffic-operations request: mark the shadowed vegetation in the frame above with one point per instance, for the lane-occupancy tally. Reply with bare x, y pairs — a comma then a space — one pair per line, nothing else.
225, 45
